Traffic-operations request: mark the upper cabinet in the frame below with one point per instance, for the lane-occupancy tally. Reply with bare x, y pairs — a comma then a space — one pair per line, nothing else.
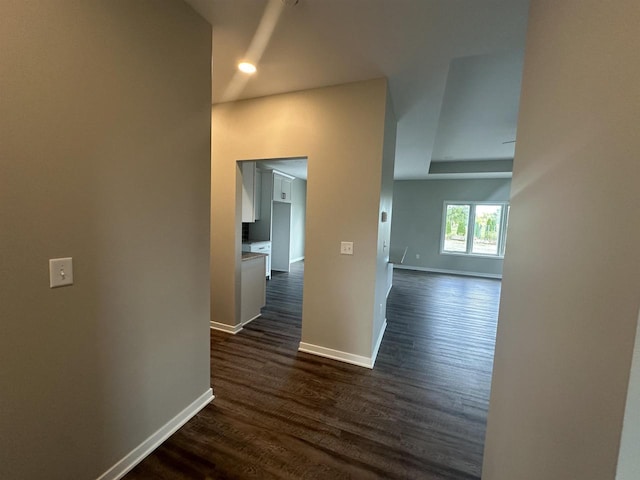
251, 191
282, 188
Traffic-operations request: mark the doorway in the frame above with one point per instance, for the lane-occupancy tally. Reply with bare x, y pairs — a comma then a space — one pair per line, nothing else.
274, 224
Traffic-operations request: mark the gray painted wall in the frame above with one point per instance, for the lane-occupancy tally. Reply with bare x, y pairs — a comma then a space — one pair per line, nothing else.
629, 460
104, 156
298, 218
383, 269
571, 284
417, 221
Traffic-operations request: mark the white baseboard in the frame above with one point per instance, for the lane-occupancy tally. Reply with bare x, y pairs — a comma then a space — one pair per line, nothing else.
223, 327
139, 453
378, 342
449, 272
336, 355
294, 260
249, 321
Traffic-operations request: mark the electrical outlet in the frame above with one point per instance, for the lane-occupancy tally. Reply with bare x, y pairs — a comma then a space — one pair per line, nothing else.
346, 248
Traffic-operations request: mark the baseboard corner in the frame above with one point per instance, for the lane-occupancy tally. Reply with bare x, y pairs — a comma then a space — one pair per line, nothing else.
244, 324
359, 360
223, 327
139, 453
376, 347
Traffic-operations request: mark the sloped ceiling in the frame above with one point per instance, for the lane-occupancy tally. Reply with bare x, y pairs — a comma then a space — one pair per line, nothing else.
454, 66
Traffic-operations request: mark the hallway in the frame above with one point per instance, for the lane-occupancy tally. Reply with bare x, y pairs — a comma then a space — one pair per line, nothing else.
420, 413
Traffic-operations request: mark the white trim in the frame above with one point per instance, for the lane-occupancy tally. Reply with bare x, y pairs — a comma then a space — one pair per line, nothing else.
223, 327
249, 321
466, 176
474, 255
121, 468
294, 260
450, 272
378, 342
358, 360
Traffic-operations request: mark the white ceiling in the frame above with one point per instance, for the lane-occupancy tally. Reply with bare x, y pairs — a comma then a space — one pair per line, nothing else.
454, 66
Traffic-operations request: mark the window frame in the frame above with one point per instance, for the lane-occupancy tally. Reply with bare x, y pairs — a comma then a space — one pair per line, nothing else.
504, 220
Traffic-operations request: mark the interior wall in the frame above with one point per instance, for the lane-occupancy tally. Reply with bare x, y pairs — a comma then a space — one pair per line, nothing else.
628, 459
104, 157
384, 227
571, 282
340, 130
298, 218
417, 221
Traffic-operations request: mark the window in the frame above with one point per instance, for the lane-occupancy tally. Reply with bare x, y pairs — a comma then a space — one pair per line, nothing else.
474, 228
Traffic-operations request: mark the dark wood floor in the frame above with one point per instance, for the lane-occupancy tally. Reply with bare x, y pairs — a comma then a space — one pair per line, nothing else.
419, 414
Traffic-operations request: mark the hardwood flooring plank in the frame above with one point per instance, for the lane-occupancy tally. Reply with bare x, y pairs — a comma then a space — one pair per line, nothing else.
281, 414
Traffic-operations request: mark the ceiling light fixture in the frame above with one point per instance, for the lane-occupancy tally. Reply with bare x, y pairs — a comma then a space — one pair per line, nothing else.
247, 67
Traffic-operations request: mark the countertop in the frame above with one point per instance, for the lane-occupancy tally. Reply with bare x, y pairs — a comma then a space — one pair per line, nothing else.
253, 242
251, 255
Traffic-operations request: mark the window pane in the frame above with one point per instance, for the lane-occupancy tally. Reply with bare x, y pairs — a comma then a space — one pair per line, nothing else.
486, 231
456, 228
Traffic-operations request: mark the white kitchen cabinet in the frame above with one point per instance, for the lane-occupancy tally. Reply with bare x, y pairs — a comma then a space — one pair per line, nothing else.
251, 187
248, 170
251, 192
261, 228
257, 199
253, 287
282, 188
260, 246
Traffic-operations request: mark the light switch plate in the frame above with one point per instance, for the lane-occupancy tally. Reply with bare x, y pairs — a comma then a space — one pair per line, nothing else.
60, 272
346, 248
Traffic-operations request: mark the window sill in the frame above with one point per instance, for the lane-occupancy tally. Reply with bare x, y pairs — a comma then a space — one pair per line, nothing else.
474, 255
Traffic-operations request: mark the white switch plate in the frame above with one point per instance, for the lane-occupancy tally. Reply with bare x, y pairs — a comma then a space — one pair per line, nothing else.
60, 272
346, 248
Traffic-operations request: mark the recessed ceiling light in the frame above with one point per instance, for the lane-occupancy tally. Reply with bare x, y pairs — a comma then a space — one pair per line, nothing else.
247, 67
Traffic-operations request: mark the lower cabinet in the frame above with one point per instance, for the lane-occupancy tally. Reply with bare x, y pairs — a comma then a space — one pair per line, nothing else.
253, 294
260, 247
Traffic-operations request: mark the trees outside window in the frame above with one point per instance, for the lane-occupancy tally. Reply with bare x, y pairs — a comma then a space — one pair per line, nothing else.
457, 225
474, 228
